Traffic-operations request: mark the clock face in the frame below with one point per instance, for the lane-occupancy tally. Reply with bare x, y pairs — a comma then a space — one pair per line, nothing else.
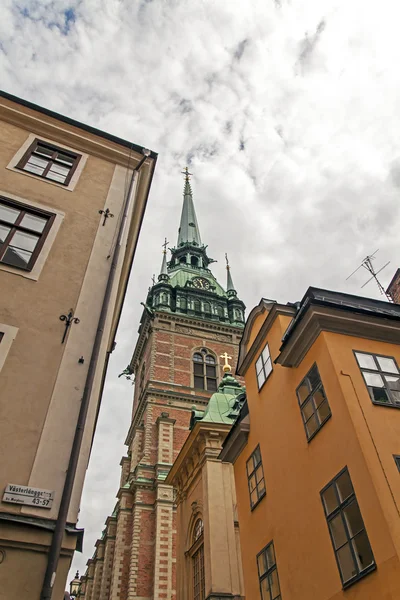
201, 283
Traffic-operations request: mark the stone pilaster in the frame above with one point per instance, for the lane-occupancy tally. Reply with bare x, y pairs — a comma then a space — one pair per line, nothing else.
98, 570
137, 447
120, 571
108, 558
164, 545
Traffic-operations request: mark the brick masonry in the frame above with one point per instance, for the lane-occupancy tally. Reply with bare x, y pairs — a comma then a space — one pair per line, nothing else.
136, 556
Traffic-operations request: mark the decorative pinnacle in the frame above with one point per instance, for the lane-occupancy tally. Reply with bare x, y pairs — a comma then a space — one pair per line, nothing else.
227, 367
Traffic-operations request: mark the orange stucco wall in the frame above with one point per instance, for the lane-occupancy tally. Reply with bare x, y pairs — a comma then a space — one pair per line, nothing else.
359, 435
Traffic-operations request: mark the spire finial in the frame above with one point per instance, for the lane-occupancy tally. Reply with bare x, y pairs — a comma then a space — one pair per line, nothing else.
230, 288
164, 245
163, 276
187, 175
227, 367
188, 232
227, 262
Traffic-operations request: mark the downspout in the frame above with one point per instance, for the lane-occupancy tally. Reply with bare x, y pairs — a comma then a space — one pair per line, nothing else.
56, 543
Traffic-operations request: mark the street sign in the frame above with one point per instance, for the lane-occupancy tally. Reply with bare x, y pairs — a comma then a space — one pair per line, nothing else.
22, 494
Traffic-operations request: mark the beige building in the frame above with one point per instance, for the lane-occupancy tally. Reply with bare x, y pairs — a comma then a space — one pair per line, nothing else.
208, 562
72, 200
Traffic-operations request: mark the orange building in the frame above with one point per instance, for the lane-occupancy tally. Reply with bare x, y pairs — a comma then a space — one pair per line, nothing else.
315, 449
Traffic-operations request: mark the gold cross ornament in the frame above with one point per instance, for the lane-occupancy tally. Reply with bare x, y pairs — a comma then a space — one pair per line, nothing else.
227, 367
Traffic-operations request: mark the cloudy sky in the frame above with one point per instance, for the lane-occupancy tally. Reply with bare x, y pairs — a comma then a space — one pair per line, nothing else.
287, 112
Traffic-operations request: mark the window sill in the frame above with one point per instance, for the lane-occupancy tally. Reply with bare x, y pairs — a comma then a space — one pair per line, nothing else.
258, 501
385, 404
356, 579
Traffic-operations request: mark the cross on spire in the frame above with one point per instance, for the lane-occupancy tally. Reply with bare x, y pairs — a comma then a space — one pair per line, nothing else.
186, 173
164, 245
227, 261
227, 367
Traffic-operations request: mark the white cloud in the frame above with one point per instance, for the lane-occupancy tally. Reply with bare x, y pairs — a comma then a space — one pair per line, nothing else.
292, 128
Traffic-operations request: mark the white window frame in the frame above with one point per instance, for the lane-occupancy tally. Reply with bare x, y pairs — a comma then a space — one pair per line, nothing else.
263, 361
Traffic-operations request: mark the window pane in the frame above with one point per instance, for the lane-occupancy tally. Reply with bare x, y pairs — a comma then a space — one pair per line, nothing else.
33, 222
261, 488
373, 379
303, 390
69, 160
257, 456
211, 384
265, 354
366, 361
265, 595
313, 377
198, 369
344, 486
16, 257
363, 551
330, 500
210, 359
48, 152
58, 174
260, 378
353, 519
36, 165
267, 368
380, 395
249, 466
338, 531
311, 425
199, 383
4, 231
197, 357
253, 497
8, 214
274, 584
387, 364
259, 365
252, 482
393, 382
259, 473
323, 411
307, 410
270, 553
346, 563
24, 241
262, 564
210, 371
319, 397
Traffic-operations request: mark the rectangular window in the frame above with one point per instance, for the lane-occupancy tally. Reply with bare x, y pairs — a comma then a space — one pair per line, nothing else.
22, 233
382, 378
263, 366
268, 574
255, 476
349, 538
49, 162
198, 574
313, 402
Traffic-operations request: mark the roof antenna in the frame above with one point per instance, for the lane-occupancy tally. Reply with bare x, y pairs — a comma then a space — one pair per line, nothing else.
367, 264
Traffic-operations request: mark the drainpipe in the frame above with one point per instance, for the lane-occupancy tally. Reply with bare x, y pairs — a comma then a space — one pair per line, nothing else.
56, 543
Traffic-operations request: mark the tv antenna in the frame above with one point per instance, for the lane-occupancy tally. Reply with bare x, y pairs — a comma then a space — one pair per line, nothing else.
367, 264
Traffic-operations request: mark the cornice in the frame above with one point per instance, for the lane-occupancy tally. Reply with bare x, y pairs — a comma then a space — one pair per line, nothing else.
246, 356
322, 318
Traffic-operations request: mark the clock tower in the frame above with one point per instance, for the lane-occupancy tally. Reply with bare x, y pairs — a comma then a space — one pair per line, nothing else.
190, 323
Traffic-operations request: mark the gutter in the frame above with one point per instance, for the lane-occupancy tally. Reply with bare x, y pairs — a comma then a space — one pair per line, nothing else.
56, 543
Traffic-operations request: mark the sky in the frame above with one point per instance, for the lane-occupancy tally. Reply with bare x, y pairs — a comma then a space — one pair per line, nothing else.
287, 113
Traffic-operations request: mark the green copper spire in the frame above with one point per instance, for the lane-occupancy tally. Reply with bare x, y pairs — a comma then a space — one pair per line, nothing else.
163, 276
230, 288
188, 232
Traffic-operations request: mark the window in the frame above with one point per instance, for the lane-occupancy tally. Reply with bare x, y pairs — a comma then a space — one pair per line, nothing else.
263, 366
382, 378
207, 307
23, 231
48, 161
349, 538
205, 371
220, 311
268, 574
395, 456
197, 306
199, 591
255, 476
1, 335
313, 403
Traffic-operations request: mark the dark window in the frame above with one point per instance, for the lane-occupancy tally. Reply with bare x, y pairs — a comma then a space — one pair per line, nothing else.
255, 476
48, 161
313, 403
194, 261
205, 371
220, 311
268, 574
395, 456
207, 307
199, 592
197, 306
1, 335
263, 366
22, 233
349, 538
382, 378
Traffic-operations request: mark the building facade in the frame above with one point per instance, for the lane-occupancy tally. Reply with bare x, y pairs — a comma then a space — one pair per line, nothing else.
316, 449
209, 561
66, 192
188, 322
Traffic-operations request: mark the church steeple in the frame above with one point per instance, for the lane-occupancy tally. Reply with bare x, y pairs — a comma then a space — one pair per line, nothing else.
230, 288
188, 232
163, 276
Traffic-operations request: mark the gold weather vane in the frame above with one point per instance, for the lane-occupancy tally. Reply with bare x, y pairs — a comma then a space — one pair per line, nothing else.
227, 261
164, 245
227, 367
186, 173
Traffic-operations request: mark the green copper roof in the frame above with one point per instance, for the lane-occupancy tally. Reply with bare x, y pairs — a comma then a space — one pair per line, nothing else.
188, 229
181, 274
224, 405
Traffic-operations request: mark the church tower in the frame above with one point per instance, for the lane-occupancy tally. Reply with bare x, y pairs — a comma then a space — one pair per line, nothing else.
189, 320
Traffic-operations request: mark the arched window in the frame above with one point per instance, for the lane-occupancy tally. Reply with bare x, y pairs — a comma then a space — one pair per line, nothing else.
194, 261
207, 307
182, 303
220, 311
204, 370
197, 306
199, 591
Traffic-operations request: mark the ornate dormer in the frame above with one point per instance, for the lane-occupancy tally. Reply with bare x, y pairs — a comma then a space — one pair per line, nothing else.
185, 283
